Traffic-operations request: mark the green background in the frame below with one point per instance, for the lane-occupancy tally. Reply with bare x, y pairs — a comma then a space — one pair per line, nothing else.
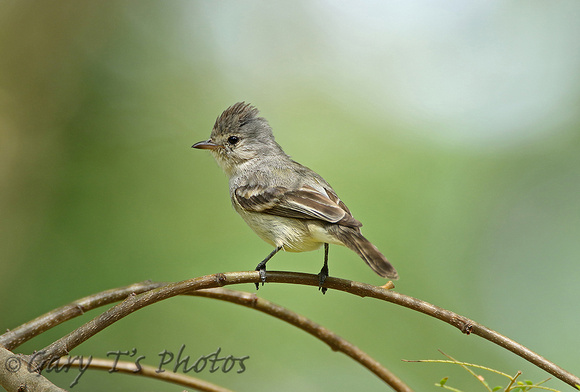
450, 129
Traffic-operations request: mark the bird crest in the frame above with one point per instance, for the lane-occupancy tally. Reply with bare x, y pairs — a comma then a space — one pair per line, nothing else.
235, 116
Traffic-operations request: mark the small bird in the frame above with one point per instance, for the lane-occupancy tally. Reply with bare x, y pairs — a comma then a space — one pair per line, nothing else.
286, 204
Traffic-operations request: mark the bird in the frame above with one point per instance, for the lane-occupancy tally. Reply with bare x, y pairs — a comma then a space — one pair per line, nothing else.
288, 205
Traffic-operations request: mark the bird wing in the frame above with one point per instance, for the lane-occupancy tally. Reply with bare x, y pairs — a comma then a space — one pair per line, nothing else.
303, 203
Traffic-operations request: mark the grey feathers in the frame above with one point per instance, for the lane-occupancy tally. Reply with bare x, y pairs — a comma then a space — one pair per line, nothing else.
286, 204
235, 116
303, 203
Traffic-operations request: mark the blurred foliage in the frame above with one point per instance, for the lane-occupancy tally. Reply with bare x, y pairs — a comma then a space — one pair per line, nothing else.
450, 130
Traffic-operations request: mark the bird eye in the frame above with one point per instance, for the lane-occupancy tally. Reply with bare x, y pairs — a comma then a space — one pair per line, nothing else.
233, 140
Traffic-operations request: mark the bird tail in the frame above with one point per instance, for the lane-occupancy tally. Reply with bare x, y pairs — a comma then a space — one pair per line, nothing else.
354, 240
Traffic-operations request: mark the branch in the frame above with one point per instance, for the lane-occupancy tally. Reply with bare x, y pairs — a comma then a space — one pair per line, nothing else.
464, 324
148, 371
335, 342
27, 331
15, 375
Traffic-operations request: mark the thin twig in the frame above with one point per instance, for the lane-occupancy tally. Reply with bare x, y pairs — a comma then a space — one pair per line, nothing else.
147, 371
464, 364
476, 376
455, 362
513, 380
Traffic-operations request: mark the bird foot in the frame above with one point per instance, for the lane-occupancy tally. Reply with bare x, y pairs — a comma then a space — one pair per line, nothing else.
262, 276
321, 278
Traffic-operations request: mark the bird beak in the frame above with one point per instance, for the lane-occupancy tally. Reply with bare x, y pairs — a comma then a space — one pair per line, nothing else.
205, 145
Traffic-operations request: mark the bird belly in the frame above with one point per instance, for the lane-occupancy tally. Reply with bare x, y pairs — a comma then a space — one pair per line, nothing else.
293, 235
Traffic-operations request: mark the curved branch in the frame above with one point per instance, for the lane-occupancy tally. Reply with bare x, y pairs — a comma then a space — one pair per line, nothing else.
335, 342
25, 332
149, 371
249, 300
464, 324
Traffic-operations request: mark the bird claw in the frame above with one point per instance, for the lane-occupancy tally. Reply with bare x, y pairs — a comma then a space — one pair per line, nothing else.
262, 277
321, 278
